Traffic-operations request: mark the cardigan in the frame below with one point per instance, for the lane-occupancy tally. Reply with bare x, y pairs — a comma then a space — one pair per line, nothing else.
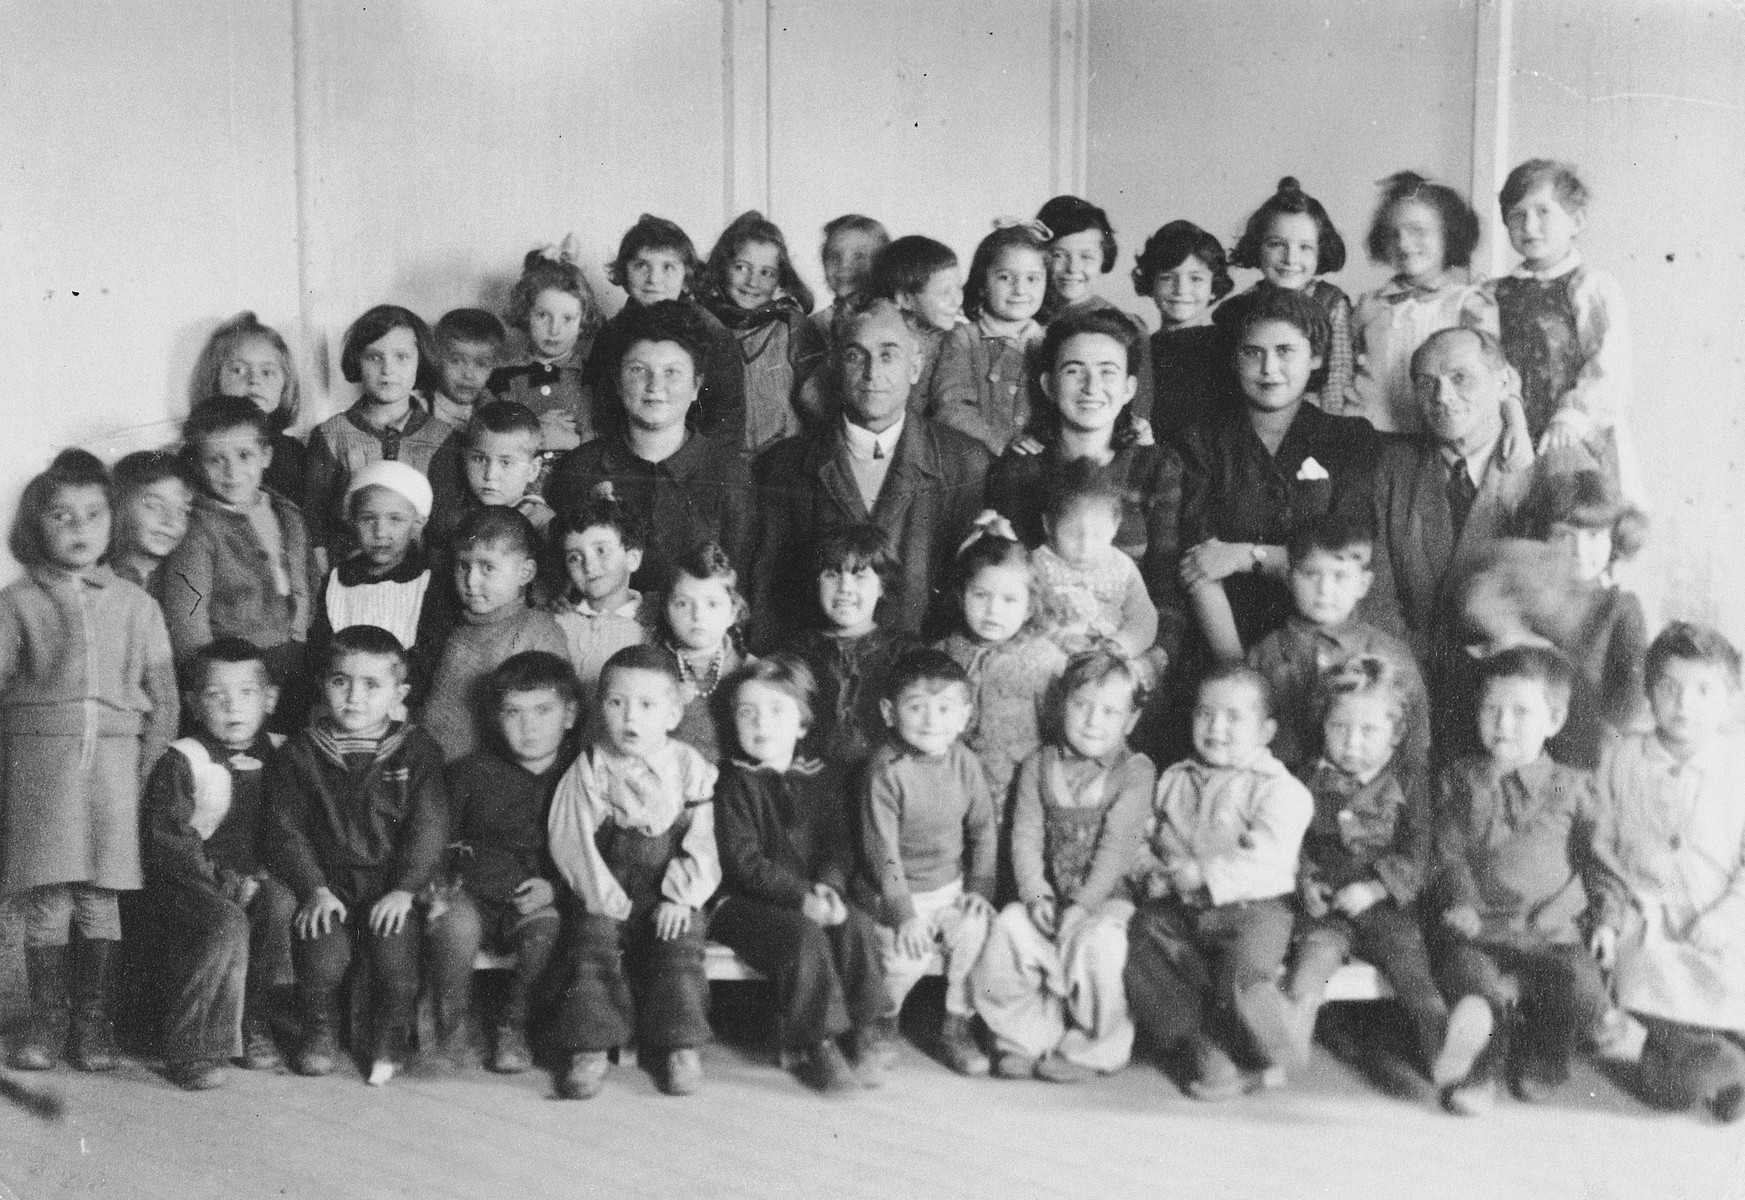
983, 382
219, 583
476, 646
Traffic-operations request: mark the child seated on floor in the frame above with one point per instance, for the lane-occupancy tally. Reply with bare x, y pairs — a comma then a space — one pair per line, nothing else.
849, 653
496, 556
632, 832
386, 580
220, 921
243, 569
1363, 863
600, 543
928, 836
358, 816
700, 622
469, 343
1518, 887
1677, 836
153, 499
501, 889
1214, 916
1049, 985
1329, 576
786, 857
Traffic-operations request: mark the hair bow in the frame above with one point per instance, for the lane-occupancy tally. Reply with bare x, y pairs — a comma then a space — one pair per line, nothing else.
1031, 223
564, 251
989, 524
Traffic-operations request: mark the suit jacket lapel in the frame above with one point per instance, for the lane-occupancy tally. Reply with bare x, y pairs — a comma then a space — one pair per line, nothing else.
911, 464
837, 479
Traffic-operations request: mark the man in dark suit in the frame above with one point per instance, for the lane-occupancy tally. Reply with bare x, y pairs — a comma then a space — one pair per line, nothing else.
917, 480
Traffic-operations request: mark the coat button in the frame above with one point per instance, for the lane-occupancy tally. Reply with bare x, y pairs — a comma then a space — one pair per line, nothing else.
545, 389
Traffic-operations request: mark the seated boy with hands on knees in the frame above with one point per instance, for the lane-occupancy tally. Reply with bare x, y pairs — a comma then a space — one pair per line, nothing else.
1049, 984
1519, 889
1214, 917
225, 923
787, 856
359, 817
503, 890
928, 833
1329, 577
1677, 835
632, 832
1363, 863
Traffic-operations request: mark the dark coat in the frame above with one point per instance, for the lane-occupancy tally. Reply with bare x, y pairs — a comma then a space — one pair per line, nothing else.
807, 489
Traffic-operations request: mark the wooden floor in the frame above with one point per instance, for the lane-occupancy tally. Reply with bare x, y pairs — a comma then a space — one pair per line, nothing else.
753, 1132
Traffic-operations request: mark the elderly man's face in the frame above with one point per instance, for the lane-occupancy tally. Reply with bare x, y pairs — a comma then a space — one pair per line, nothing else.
878, 363
1459, 394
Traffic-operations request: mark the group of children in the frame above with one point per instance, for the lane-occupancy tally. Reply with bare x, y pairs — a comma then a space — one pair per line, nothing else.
468, 671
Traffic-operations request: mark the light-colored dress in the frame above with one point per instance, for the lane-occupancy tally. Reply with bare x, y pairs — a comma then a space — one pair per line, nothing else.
1387, 327
1081, 607
1677, 838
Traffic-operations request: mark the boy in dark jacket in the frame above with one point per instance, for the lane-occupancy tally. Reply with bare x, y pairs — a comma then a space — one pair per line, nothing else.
359, 818
225, 922
503, 890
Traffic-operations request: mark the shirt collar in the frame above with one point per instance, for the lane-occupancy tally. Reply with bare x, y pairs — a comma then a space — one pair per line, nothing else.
989, 328
1570, 262
1477, 463
1107, 762
862, 441
1261, 764
630, 608
49, 575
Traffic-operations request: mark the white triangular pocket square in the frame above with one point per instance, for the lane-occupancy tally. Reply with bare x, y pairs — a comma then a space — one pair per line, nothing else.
1311, 470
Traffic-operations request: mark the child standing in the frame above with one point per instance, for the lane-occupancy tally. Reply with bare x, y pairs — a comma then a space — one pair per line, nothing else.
1329, 577
1364, 860
87, 704
657, 262
386, 581
1518, 886
502, 892
248, 359
1009, 665
852, 244
922, 276
222, 921
849, 653
1214, 919
390, 354
469, 345
928, 835
358, 818
243, 569
496, 556
632, 832
1049, 985
1564, 325
1678, 836
553, 306
700, 620
600, 613
1425, 233
1183, 271
1291, 241
1081, 244
1088, 593
750, 285
982, 382
787, 858
153, 497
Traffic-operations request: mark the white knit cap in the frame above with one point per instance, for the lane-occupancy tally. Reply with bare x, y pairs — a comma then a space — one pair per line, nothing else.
397, 477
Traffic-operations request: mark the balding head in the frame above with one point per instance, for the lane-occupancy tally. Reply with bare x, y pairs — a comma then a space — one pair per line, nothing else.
878, 361
1460, 379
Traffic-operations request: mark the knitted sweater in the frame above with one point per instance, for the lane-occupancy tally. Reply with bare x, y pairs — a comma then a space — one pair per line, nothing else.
475, 648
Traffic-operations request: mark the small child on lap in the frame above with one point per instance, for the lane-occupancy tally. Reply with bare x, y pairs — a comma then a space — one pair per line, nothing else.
1214, 921
787, 857
225, 922
503, 890
928, 836
632, 832
1049, 984
1518, 886
359, 817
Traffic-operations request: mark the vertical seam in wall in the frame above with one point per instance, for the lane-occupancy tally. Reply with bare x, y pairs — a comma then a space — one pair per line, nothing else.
1081, 121
1493, 54
302, 181
768, 131
729, 156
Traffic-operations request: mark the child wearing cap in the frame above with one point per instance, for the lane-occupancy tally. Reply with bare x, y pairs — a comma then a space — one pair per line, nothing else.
385, 580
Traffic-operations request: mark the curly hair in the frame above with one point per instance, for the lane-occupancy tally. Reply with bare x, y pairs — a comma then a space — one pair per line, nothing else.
1291, 200
747, 228
1171, 246
655, 233
541, 273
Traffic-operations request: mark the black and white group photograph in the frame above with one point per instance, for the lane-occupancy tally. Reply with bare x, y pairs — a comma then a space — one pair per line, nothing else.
906, 599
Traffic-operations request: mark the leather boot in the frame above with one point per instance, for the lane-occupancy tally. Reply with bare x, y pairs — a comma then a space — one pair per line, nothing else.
91, 1046
45, 968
